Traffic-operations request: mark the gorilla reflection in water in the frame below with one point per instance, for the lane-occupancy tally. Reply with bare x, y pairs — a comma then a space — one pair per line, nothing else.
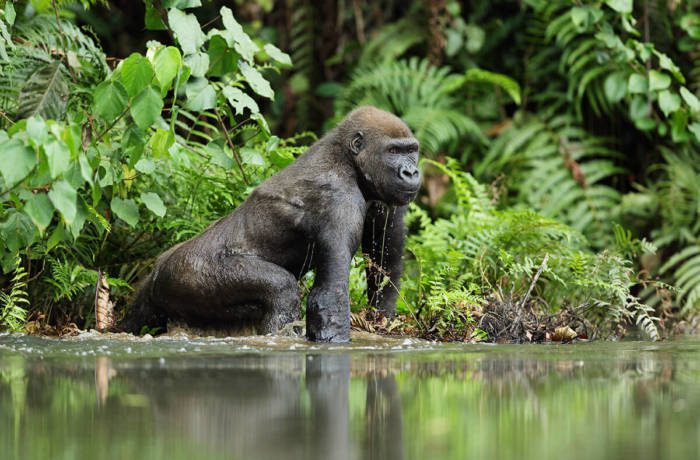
283, 406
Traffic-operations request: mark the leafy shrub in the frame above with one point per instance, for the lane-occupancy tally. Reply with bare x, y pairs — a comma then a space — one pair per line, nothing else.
461, 261
93, 160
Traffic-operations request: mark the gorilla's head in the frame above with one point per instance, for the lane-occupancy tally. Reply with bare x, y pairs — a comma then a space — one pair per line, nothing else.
385, 153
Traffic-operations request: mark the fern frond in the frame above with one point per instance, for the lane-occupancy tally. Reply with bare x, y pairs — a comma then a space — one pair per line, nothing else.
14, 304
392, 41
684, 266
420, 93
560, 170
35, 78
69, 278
45, 93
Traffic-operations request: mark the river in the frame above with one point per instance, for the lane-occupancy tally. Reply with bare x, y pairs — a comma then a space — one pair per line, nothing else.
101, 396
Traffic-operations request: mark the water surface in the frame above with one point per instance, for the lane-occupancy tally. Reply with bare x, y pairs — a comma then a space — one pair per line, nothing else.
281, 398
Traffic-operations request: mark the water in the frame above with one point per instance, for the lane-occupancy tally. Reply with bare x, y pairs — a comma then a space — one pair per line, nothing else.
263, 398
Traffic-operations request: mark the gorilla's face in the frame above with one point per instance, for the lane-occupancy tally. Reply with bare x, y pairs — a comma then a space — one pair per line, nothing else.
388, 165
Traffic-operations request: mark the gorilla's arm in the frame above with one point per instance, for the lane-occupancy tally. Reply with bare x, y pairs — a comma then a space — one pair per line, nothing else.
382, 241
328, 308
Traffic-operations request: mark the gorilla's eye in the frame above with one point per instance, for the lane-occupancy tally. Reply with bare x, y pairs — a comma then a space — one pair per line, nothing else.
393, 150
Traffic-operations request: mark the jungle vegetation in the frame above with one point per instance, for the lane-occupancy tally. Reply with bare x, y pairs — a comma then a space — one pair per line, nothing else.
561, 141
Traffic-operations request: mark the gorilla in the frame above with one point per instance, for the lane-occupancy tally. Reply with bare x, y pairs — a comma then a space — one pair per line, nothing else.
351, 187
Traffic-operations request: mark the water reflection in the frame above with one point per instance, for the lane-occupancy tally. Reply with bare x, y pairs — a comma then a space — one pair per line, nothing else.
542, 402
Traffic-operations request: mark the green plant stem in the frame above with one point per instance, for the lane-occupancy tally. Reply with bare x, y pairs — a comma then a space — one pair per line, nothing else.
233, 148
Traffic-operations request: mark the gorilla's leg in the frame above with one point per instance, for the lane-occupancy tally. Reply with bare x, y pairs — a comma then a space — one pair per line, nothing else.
238, 290
250, 280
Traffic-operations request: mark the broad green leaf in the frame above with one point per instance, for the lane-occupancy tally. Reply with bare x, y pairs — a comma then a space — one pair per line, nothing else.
241, 41
152, 18
695, 129
182, 4
666, 63
74, 176
160, 142
224, 60
146, 107
72, 136
579, 17
621, 6
16, 161
198, 63
45, 93
136, 73
639, 108
690, 22
80, 217
126, 210
454, 41
476, 36
219, 156
111, 99
281, 158
658, 81
107, 177
17, 231
166, 63
679, 124
690, 99
615, 87
256, 81
58, 157
200, 95
5, 41
10, 13
64, 198
37, 130
508, 84
637, 84
40, 211
59, 234
145, 166
187, 31
153, 203
669, 102
240, 100
252, 157
277, 54
85, 168
262, 122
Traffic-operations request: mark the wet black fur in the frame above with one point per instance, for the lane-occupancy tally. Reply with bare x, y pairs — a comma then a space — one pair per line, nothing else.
350, 188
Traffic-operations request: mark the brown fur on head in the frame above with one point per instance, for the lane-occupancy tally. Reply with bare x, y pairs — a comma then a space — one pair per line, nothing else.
373, 119
385, 153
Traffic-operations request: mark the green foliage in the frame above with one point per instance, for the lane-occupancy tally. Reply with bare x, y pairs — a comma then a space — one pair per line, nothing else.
480, 250
584, 117
14, 303
36, 80
560, 170
424, 96
89, 156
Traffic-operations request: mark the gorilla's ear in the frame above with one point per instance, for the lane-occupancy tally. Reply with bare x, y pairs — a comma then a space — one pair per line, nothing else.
357, 142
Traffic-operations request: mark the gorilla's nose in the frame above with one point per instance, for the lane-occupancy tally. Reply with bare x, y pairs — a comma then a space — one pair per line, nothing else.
410, 175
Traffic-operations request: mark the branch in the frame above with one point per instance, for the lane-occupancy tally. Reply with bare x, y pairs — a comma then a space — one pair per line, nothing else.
233, 148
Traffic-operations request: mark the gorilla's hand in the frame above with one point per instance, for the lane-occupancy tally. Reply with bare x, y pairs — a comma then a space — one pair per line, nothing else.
328, 314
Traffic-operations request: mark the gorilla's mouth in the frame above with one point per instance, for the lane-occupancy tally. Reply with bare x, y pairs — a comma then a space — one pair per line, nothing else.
407, 195
409, 191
